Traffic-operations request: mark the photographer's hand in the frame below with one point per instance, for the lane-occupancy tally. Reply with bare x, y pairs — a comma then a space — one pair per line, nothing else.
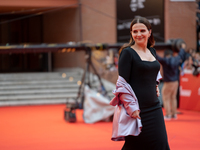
183, 46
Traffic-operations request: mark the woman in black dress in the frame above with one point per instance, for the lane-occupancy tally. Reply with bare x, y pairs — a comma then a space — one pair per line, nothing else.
138, 66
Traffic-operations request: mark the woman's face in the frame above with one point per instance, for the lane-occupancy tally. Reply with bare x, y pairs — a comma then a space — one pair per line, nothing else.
140, 34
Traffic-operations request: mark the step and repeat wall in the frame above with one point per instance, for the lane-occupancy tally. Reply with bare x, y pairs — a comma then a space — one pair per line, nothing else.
190, 92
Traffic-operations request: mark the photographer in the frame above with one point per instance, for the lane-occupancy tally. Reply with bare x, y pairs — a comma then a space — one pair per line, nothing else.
171, 66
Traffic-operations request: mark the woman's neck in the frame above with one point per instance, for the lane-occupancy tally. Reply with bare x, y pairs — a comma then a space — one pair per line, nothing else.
140, 47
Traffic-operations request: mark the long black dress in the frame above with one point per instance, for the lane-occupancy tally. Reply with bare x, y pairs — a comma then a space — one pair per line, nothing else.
141, 75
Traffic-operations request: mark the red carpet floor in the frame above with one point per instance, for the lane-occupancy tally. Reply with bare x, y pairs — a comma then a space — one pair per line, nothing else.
44, 128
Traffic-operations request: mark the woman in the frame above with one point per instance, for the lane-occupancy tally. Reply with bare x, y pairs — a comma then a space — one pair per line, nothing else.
138, 66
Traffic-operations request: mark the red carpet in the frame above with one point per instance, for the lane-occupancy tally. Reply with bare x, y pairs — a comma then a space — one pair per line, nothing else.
44, 128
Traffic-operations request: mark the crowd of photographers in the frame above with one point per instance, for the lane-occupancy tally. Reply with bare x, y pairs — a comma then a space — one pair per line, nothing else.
192, 63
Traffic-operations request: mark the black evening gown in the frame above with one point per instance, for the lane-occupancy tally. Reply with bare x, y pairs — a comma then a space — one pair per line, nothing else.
141, 75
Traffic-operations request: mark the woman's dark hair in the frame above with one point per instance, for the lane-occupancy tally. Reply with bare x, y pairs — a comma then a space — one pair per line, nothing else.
144, 21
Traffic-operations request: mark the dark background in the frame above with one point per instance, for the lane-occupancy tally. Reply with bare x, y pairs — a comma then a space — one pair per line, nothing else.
153, 10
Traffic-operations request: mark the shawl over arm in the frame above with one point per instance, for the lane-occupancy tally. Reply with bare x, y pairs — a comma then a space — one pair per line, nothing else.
126, 103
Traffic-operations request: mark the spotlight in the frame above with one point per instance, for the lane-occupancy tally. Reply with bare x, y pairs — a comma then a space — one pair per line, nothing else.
64, 75
71, 79
79, 82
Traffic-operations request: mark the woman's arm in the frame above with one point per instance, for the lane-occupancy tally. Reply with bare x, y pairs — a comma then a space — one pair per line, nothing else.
124, 68
124, 64
130, 105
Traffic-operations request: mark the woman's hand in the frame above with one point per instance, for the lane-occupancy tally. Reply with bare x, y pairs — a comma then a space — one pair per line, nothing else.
135, 114
157, 91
